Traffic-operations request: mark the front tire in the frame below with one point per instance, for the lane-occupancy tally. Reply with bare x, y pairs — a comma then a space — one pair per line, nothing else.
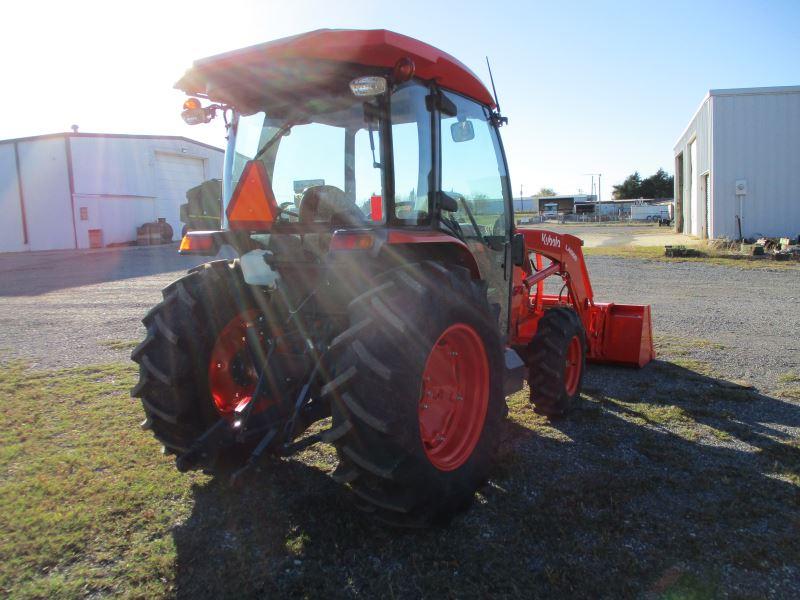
556, 362
417, 397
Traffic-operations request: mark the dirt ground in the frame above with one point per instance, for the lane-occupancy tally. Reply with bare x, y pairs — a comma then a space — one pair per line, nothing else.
74, 308
602, 234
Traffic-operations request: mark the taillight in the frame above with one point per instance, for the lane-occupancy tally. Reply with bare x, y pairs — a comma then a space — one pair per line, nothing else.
253, 206
348, 240
198, 242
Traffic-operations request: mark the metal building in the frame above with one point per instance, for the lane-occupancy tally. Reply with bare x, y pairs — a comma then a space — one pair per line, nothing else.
56, 189
568, 204
737, 165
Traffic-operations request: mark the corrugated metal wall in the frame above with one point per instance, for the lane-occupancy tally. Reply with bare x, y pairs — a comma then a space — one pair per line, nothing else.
757, 138
114, 181
11, 230
749, 134
699, 131
45, 184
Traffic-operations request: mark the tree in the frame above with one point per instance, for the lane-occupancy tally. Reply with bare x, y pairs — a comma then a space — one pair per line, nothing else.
658, 185
629, 188
546, 192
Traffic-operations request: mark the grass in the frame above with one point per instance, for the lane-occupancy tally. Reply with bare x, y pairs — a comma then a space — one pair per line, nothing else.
119, 344
789, 377
77, 511
673, 345
624, 498
657, 253
792, 392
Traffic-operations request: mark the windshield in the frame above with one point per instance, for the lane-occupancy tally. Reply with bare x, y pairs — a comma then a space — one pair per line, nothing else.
323, 159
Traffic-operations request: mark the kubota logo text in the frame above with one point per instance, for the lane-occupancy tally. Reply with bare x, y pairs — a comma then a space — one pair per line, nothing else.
551, 240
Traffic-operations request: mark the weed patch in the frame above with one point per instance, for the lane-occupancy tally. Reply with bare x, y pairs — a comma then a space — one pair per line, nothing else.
119, 344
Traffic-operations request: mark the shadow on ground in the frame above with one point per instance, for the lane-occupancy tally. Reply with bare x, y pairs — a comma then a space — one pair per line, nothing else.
34, 273
665, 483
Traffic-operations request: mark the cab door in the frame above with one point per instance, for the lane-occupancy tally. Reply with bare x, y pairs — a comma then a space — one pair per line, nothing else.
472, 171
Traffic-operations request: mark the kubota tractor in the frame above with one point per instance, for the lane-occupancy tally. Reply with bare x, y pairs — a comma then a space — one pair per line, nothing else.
381, 282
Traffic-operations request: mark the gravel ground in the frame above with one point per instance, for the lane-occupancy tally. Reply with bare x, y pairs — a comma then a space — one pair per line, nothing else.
678, 480
72, 308
596, 235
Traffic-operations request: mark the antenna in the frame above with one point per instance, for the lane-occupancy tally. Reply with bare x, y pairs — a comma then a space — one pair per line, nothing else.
500, 120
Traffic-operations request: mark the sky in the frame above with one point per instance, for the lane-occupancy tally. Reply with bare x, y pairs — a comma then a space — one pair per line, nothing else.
588, 87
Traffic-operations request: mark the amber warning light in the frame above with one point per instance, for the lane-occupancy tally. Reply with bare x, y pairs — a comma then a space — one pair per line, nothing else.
194, 114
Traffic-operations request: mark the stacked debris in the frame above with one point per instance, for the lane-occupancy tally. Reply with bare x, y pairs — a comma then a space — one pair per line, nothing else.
788, 249
761, 247
777, 248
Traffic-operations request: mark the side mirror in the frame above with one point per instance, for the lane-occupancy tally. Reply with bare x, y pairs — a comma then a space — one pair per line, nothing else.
462, 131
518, 255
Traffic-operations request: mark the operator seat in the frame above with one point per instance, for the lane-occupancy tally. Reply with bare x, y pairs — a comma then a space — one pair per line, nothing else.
329, 204
326, 204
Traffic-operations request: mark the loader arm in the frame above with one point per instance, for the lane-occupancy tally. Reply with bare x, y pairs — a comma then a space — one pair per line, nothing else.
615, 333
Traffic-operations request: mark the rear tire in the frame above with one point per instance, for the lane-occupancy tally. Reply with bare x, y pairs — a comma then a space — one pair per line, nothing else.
174, 356
557, 362
377, 395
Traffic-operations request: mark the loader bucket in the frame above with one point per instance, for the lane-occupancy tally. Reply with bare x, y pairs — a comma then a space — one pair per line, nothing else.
627, 335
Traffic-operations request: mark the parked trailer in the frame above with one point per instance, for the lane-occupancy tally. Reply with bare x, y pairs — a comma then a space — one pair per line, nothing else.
650, 212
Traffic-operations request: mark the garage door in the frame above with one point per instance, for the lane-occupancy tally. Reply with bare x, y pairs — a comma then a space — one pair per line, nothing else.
174, 175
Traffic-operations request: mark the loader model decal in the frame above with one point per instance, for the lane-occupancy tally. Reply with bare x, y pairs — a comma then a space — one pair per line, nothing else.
571, 252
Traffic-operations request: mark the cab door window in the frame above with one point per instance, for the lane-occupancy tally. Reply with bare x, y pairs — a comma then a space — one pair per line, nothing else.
473, 172
411, 148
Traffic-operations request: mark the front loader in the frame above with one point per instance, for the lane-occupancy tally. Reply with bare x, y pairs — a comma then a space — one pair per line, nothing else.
382, 287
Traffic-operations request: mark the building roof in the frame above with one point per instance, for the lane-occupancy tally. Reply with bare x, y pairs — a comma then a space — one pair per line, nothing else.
299, 58
753, 91
641, 200
71, 134
576, 197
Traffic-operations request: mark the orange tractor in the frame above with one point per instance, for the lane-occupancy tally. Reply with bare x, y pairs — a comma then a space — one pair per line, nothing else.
382, 287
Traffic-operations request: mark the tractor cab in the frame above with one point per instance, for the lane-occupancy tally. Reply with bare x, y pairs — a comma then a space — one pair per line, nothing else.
348, 139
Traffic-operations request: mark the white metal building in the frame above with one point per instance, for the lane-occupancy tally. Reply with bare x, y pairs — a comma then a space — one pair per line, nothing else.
739, 161
55, 188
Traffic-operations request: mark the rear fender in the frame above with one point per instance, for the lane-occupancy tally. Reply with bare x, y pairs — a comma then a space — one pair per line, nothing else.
429, 245
396, 247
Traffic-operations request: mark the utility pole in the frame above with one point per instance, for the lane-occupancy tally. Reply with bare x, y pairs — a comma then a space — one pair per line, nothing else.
597, 189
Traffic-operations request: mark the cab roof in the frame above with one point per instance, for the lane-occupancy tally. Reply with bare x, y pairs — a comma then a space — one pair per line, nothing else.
310, 58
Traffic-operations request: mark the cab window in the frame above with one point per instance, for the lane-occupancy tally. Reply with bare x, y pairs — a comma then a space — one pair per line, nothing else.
473, 171
411, 148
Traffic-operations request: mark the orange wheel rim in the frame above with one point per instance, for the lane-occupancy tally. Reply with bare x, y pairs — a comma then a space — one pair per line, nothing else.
454, 397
